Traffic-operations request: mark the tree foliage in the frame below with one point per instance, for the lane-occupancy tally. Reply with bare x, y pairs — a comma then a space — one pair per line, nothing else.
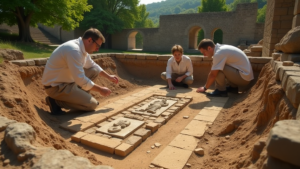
232, 6
26, 13
261, 14
110, 16
212, 6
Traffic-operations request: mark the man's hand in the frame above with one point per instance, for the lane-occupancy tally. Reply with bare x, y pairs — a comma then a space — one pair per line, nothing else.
104, 91
114, 79
171, 86
179, 79
200, 90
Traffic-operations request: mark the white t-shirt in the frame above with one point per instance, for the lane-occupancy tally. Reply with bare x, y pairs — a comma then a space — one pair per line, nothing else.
234, 57
184, 67
66, 64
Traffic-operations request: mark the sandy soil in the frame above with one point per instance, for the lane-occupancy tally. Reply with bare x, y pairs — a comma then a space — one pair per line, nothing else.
246, 118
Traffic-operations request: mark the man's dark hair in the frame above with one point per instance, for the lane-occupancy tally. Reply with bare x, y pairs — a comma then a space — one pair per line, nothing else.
205, 43
93, 33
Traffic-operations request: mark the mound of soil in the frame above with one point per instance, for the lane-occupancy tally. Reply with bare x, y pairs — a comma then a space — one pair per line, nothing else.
237, 137
22, 98
11, 54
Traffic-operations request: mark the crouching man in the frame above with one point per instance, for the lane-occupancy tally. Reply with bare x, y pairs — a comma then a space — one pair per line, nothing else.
69, 74
179, 69
229, 64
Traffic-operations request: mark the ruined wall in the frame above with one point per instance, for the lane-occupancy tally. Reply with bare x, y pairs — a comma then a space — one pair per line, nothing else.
279, 18
182, 29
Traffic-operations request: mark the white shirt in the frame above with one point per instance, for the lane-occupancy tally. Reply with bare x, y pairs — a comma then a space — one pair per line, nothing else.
66, 64
184, 67
234, 57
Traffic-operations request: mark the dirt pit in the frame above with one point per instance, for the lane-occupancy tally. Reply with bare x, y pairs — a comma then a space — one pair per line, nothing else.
228, 143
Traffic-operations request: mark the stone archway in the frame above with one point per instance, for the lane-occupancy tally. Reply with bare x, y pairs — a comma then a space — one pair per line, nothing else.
193, 37
217, 35
132, 40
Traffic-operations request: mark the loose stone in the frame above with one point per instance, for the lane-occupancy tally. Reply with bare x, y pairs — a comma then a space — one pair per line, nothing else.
185, 117
199, 151
148, 151
5, 162
188, 164
152, 147
227, 137
157, 144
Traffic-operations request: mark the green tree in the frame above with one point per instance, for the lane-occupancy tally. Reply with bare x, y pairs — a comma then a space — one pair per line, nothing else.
110, 16
261, 14
26, 13
212, 6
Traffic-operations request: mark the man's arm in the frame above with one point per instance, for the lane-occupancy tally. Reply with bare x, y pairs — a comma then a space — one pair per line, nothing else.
112, 78
210, 80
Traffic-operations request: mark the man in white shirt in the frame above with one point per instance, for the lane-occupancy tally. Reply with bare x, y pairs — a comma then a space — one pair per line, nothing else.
229, 63
69, 72
179, 69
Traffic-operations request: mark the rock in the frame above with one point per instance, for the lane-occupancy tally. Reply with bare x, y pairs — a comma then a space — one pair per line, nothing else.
19, 137
284, 141
11, 54
290, 43
257, 149
4, 122
157, 144
188, 164
148, 151
199, 151
273, 163
151, 166
152, 147
227, 137
5, 162
288, 63
185, 117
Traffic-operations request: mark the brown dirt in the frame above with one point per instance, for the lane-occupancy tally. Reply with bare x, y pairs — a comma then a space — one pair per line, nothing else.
246, 118
247, 121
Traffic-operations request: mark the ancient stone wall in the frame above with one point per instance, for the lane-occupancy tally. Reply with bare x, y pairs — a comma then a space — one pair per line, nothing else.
183, 28
279, 18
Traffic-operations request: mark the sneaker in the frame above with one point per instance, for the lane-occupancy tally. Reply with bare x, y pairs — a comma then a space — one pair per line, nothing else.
185, 85
54, 108
232, 89
218, 93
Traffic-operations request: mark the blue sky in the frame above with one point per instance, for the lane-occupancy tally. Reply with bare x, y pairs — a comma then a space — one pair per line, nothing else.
148, 1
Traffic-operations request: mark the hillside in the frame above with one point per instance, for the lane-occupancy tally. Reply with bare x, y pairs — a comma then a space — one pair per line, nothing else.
169, 7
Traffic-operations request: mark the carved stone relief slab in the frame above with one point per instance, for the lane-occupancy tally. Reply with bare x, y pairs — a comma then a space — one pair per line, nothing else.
154, 107
114, 128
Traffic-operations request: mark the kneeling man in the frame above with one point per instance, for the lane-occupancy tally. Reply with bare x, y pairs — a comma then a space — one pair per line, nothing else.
179, 69
229, 63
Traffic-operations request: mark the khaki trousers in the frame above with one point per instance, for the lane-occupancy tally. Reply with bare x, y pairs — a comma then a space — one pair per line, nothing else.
188, 80
232, 76
70, 96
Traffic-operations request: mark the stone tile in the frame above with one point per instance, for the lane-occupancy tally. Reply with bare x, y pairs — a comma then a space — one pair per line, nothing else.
172, 157
77, 137
91, 130
214, 106
195, 128
134, 125
100, 143
293, 90
165, 114
285, 77
134, 141
76, 125
282, 69
152, 126
123, 149
205, 118
102, 124
160, 120
144, 133
208, 112
185, 142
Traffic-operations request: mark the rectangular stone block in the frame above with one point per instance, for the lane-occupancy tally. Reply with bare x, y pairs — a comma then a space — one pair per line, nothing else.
296, 21
275, 56
102, 124
140, 57
205, 118
195, 128
259, 59
151, 57
19, 62
40, 61
77, 137
100, 143
134, 141
297, 7
285, 77
282, 69
91, 130
144, 133
160, 120
76, 125
152, 126
164, 57
172, 157
184, 142
30, 62
196, 58
120, 56
123, 149
130, 56
293, 90
256, 49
